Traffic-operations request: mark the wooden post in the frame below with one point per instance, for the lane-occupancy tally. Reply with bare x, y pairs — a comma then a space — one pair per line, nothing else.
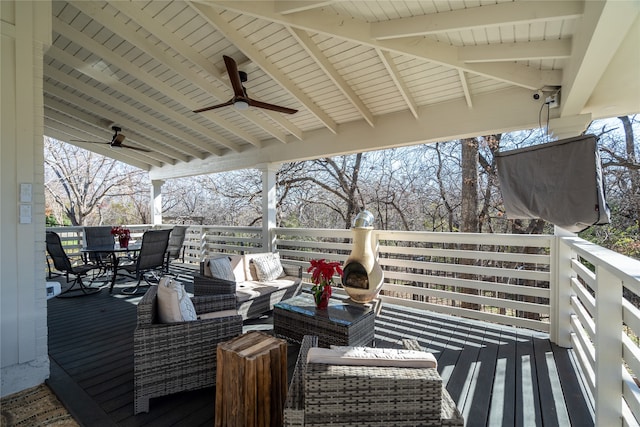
560, 296
251, 381
608, 347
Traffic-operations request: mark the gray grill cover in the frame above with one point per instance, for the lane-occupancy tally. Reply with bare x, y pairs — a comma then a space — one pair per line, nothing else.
560, 182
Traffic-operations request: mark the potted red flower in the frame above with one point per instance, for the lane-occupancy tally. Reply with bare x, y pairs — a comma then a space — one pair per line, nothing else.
122, 234
322, 273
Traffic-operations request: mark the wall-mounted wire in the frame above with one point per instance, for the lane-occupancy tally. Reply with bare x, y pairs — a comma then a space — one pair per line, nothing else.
546, 128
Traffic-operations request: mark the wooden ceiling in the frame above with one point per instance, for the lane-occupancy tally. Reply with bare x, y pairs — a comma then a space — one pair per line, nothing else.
364, 75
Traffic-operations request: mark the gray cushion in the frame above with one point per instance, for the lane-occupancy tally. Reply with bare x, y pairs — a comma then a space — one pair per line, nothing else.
221, 269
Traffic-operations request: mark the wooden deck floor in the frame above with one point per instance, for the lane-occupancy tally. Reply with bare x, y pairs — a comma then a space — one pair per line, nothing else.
499, 376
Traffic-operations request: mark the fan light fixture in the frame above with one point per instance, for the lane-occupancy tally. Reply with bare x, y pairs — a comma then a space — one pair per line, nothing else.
240, 100
241, 105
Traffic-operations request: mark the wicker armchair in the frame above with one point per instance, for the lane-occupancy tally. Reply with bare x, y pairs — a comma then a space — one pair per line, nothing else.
174, 357
335, 395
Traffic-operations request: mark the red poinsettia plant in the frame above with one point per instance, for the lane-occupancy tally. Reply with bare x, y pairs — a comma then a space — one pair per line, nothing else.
120, 232
322, 273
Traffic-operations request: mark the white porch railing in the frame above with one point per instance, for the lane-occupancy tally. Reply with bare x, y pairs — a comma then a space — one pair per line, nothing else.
583, 295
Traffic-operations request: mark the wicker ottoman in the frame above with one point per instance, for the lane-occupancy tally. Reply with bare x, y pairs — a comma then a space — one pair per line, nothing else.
337, 395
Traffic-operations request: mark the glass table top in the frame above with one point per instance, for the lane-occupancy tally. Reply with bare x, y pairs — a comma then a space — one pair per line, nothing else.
339, 311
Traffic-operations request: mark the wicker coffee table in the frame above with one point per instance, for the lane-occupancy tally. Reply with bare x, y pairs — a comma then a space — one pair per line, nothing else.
342, 323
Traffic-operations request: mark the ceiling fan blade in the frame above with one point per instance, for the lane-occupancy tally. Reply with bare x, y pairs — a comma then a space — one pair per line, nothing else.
87, 142
234, 75
229, 102
260, 104
129, 147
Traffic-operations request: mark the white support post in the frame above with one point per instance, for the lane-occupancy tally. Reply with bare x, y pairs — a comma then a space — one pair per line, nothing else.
608, 348
203, 244
156, 201
560, 295
268, 204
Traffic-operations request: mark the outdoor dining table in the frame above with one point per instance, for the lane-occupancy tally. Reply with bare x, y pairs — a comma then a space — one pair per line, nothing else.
114, 251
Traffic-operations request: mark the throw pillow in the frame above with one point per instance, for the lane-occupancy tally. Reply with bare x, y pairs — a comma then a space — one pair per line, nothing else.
250, 267
221, 269
268, 267
174, 304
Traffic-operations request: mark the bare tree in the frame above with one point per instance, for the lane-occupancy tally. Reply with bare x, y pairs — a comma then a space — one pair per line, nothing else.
338, 178
82, 184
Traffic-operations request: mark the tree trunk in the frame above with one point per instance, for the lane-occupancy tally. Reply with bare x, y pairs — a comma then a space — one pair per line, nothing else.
469, 214
634, 174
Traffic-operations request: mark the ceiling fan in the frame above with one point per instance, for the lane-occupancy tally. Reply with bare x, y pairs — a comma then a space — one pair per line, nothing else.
241, 100
116, 140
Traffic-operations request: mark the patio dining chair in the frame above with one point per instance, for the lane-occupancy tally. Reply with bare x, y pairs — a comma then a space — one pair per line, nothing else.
98, 237
150, 258
175, 249
63, 263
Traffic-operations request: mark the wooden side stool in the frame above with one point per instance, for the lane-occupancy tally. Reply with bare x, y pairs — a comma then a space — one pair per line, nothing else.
251, 381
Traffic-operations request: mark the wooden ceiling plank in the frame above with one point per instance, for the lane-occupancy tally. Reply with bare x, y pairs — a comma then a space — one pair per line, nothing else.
255, 55
155, 158
143, 76
126, 108
402, 87
59, 131
134, 11
294, 130
327, 67
476, 17
265, 125
124, 89
185, 51
157, 151
360, 32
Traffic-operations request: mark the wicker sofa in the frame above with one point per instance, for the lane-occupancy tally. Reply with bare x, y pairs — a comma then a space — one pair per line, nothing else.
340, 395
253, 297
174, 357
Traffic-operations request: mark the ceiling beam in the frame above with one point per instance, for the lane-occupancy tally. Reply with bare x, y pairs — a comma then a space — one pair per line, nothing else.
105, 78
521, 51
465, 88
600, 33
394, 73
89, 137
490, 15
159, 152
181, 152
417, 47
99, 50
327, 67
285, 7
503, 111
133, 11
126, 108
256, 56
59, 131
